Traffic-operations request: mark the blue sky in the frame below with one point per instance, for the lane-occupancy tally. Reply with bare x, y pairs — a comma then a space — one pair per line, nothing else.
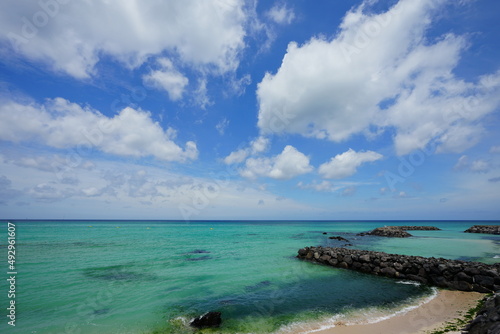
234, 109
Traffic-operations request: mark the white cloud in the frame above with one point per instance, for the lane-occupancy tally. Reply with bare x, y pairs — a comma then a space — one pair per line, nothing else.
200, 97
402, 194
222, 125
480, 166
115, 184
323, 186
495, 149
286, 165
462, 163
477, 166
168, 79
349, 191
238, 86
346, 164
72, 36
384, 190
236, 157
281, 14
258, 145
61, 124
380, 72
6, 191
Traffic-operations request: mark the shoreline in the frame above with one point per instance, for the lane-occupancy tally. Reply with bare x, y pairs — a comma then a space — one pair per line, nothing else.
429, 315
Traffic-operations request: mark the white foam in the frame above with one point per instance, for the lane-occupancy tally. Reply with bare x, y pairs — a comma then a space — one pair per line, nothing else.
368, 317
496, 257
409, 283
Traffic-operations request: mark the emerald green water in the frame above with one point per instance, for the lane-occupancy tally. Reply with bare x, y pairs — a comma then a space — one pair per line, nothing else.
152, 277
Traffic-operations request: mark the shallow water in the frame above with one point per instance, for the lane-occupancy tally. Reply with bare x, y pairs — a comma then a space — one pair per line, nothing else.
145, 277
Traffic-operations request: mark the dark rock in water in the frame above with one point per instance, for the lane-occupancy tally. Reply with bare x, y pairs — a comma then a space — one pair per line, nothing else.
338, 238
389, 232
201, 258
208, 320
486, 229
325, 233
101, 311
199, 251
398, 231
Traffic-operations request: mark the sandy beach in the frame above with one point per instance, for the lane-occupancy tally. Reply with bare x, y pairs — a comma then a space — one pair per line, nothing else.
433, 315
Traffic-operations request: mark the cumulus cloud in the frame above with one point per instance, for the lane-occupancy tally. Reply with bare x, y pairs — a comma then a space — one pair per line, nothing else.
258, 145
286, 165
380, 72
495, 149
50, 192
61, 124
346, 164
477, 166
167, 78
281, 14
236, 157
71, 37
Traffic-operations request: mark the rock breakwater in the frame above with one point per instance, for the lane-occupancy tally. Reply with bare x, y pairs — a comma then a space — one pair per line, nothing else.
487, 319
451, 274
398, 231
486, 229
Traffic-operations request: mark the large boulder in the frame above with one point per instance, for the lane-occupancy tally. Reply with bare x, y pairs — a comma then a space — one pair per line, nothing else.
208, 320
487, 319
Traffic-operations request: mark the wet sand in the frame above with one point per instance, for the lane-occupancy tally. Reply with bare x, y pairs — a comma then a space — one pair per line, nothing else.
433, 315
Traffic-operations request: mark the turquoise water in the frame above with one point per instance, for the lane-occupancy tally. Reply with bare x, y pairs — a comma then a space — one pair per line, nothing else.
151, 277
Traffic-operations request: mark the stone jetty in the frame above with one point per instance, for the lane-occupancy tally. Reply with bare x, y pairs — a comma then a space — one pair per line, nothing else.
451, 274
486, 229
487, 319
398, 231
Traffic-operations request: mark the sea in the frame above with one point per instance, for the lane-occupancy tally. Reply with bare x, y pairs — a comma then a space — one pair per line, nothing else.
145, 277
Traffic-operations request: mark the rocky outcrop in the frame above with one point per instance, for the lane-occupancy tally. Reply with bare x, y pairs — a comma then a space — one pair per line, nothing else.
451, 274
487, 319
398, 231
392, 232
486, 229
207, 320
338, 238
418, 228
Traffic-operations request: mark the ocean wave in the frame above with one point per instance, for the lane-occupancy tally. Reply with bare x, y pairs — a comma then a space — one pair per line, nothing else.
409, 283
496, 257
